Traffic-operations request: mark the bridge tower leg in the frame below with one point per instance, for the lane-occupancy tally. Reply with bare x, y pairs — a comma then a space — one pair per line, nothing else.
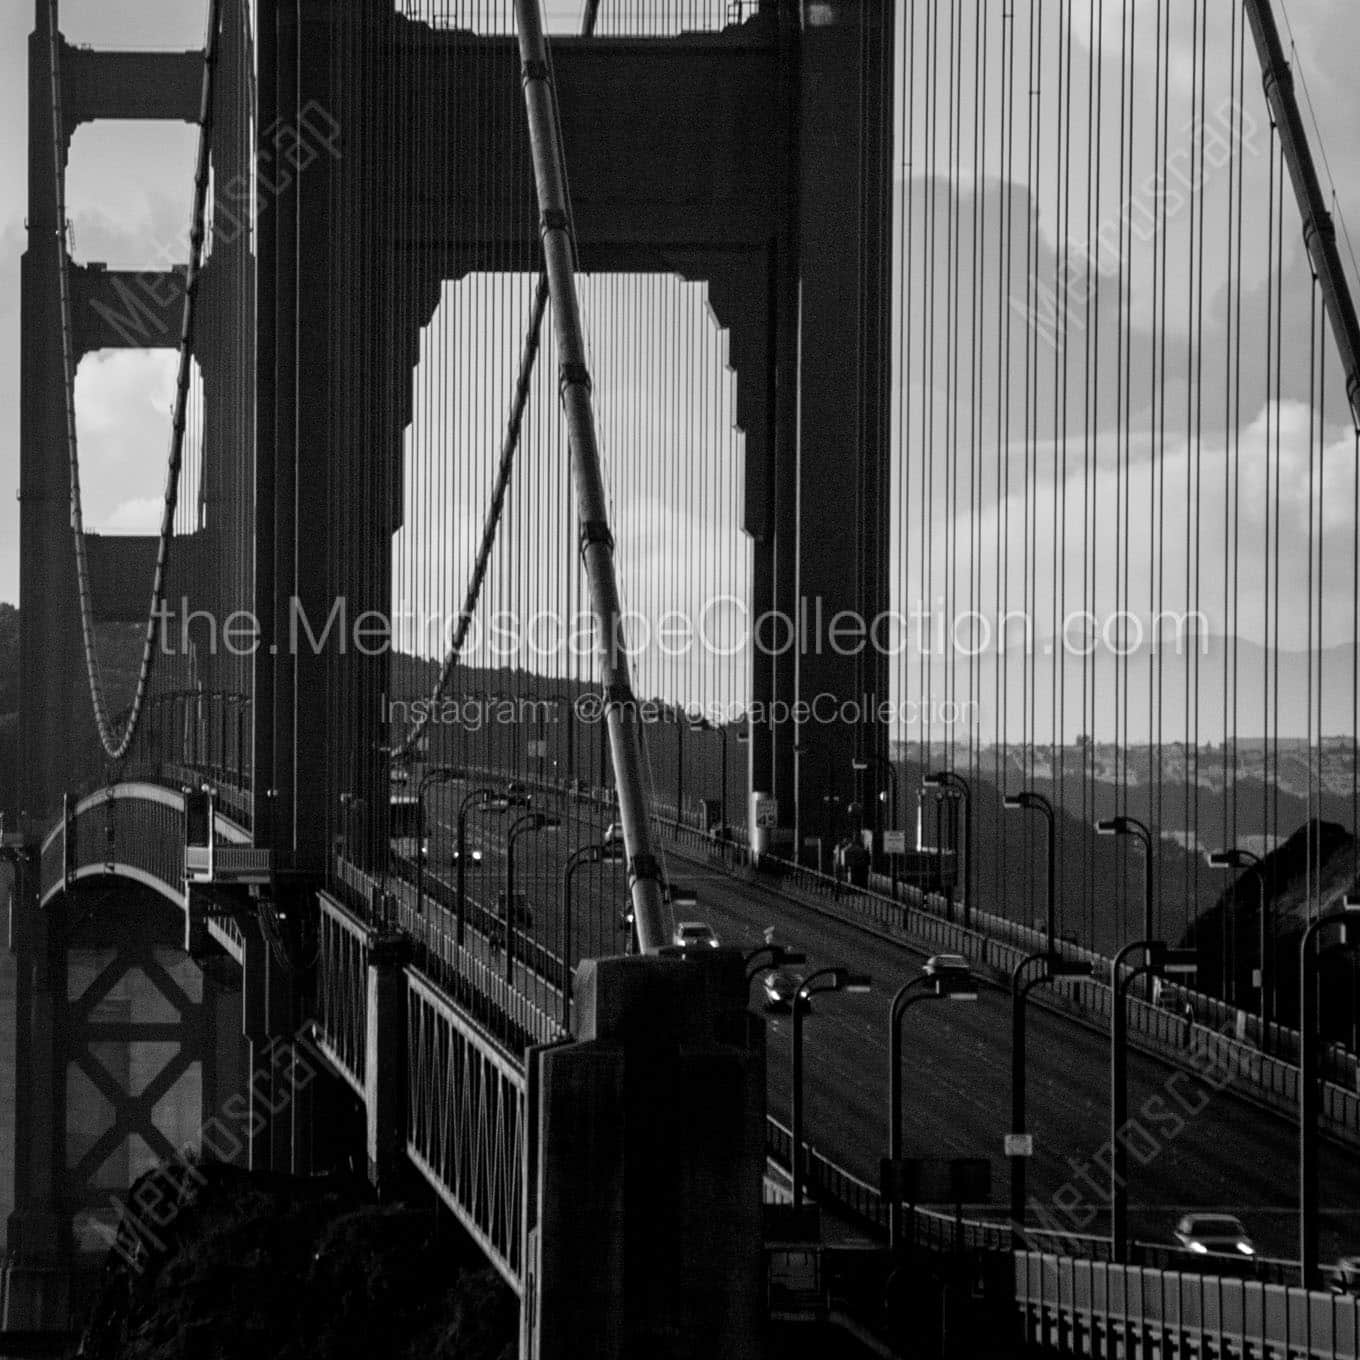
272, 1004
826, 554
38, 1273
647, 1155
51, 661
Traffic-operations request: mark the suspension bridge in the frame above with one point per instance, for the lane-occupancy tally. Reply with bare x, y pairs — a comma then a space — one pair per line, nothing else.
724, 463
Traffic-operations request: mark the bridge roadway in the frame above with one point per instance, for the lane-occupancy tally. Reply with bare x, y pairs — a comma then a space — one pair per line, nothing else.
1207, 1149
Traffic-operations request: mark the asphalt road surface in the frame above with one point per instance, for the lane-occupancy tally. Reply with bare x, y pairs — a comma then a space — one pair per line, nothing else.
1198, 1144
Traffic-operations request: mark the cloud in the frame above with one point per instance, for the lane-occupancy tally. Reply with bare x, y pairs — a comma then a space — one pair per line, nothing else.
141, 516
123, 401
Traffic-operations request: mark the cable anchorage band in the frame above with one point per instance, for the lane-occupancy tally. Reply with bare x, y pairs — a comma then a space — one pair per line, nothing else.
574, 375
596, 531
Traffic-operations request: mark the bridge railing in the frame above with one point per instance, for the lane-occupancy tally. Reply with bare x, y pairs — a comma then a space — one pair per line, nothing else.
132, 828
342, 990
854, 1198
471, 972
1094, 1308
465, 1127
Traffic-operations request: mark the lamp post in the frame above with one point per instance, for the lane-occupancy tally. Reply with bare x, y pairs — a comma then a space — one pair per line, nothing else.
1028, 800
803, 747
682, 721
949, 779
1131, 826
595, 853
947, 985
441, 774
1348, 918
1023, 980
1158, 961
834, 980
703, 725
563, 702
479, 798
1237, 858
863, 763
521, 826
771, 956
831, 822
237, 702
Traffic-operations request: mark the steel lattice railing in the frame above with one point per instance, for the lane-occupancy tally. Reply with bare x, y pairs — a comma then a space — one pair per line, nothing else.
466, 1122
342, 990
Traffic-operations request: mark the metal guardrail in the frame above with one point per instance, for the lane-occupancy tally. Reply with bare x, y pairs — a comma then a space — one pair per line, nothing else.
1097, 1309
940, 1230
864, 1205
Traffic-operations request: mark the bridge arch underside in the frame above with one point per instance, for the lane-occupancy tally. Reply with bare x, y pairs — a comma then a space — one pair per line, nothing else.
126, 1046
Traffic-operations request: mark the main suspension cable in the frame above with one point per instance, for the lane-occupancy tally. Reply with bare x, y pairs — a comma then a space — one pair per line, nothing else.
116, 744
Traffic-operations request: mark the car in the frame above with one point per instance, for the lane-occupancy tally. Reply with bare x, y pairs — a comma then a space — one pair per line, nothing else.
517, 794
613, 834
401, 774
1214, 1235
695, 934
781, 986
474, 859
948, 966
1344, 1275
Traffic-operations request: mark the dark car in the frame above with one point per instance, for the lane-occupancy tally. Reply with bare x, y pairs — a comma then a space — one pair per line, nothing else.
517, 794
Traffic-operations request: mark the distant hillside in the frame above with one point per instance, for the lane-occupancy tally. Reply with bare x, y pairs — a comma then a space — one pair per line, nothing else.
1229, 929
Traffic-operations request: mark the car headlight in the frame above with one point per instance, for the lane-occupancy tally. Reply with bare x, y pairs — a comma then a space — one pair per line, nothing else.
1246, 1249
1200, 1248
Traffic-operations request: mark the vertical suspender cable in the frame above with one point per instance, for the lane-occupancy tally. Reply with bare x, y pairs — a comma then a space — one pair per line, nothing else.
597, 548
509, 448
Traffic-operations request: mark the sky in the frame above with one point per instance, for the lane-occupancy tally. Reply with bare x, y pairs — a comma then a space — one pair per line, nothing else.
128, 191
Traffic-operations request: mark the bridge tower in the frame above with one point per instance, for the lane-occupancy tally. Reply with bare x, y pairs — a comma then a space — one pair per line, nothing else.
778, 195
127, 1052
109, 310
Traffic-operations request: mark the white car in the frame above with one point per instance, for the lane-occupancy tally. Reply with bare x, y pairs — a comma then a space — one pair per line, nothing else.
695, 935
1214, 1235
